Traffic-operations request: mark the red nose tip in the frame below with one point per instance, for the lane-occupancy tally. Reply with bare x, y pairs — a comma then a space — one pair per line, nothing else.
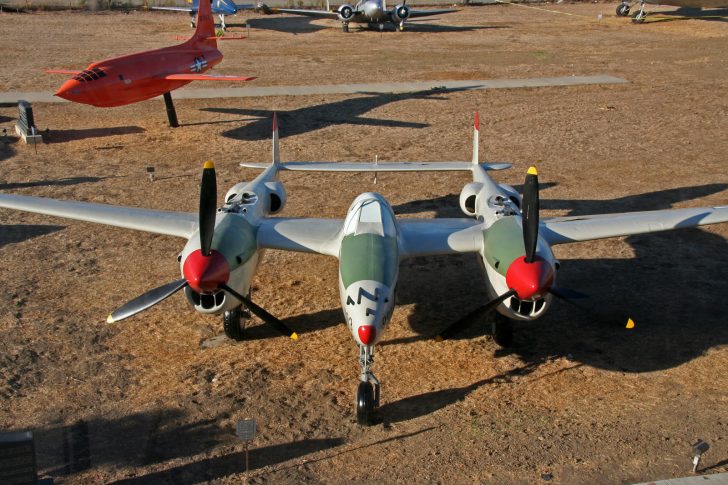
530, 280
205, 274
367, 334
68, 90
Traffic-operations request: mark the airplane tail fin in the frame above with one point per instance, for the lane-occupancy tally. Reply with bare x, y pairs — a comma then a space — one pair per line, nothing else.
276, 144
205, 24
476, 136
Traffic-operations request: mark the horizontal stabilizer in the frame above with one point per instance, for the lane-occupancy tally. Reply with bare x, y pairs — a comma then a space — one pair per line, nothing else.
61, 71
205, 77
380, 167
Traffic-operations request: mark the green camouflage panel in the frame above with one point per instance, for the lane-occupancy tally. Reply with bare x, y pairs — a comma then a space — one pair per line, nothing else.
235, 238
368, 257
503, 243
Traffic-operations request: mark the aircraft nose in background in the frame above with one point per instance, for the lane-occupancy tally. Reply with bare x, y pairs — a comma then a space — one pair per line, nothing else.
69, 90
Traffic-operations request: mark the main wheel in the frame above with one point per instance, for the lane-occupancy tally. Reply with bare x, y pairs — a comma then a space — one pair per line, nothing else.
622, 10
639, 17
364, 404
502, 328
233, 324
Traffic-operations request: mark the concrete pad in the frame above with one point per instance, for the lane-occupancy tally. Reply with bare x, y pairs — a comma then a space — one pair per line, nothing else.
251, 91
715, 479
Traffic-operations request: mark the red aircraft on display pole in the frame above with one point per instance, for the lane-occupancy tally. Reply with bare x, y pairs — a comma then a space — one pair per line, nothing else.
144, 75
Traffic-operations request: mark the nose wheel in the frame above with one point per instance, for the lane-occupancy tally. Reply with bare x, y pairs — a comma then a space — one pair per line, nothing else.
502, 329
233, 323
367, 394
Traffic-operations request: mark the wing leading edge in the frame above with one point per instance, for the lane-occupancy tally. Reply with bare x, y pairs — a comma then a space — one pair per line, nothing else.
560, 230
180, 224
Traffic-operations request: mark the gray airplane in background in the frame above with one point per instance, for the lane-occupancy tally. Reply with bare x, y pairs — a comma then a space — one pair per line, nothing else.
371, 12
639, 16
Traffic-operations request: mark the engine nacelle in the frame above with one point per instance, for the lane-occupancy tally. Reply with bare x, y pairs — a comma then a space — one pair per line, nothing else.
271, 200
400, 13
276, 197
468, 196
346, 12
512, 194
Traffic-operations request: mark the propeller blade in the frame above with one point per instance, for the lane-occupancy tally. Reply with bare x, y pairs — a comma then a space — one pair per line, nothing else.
262, 314
208, 207
147, 300
530, 213
473, 316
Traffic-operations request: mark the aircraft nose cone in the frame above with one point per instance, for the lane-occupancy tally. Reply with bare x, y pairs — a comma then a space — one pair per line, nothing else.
367, 334
530, 280
69, 90
205, 274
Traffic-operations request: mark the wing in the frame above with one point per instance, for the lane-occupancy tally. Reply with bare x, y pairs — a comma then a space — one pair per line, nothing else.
302, 235
205, 77
427, 13
321, 14
428, 237
179, 224
561, 230
379, 167
418, 237
174, 9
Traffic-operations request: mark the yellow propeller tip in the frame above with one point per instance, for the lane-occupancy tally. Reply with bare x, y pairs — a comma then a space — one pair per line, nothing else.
439, 338
208, 164
109, 319
532, 170
630, 323
294, 336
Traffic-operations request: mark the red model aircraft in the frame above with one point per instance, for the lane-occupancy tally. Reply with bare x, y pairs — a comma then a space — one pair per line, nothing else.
143, 75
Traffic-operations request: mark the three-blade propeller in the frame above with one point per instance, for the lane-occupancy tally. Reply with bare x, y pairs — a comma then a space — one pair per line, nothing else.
209, 260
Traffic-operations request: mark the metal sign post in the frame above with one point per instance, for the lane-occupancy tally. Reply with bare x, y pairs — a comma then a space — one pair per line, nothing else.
245, 430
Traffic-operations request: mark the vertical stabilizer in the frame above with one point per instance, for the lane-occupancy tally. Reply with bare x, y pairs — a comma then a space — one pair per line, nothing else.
205, 29
276, 146
476, 135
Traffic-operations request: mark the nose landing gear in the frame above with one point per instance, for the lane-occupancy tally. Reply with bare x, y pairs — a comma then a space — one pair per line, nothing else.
234, 324
367, 394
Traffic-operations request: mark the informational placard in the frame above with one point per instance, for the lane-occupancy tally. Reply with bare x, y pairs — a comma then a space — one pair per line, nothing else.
246, 429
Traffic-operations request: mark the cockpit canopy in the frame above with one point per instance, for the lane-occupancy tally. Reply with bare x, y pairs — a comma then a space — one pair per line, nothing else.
89, 75
371, 218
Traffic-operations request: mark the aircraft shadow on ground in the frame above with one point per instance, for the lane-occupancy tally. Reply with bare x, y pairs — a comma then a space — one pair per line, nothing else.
64, 136
47, 183
670, 287
423, 404
234, 463
155, 437
686, 13
304, 323
416, 26
345, 112
284, 24
15, 233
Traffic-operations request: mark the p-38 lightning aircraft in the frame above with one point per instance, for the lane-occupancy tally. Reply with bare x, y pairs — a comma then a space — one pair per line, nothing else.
144, 75
371, 12
219, 7
224, 245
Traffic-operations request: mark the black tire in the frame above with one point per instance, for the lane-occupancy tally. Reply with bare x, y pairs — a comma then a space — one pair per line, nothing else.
639, 17
232, 322
622, 10
364, 404
502, 328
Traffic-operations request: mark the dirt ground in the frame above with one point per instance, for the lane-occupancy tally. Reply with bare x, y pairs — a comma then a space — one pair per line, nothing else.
578, 399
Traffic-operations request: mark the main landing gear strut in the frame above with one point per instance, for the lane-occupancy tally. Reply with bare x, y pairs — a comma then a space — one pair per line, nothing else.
367, 395
171, 112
